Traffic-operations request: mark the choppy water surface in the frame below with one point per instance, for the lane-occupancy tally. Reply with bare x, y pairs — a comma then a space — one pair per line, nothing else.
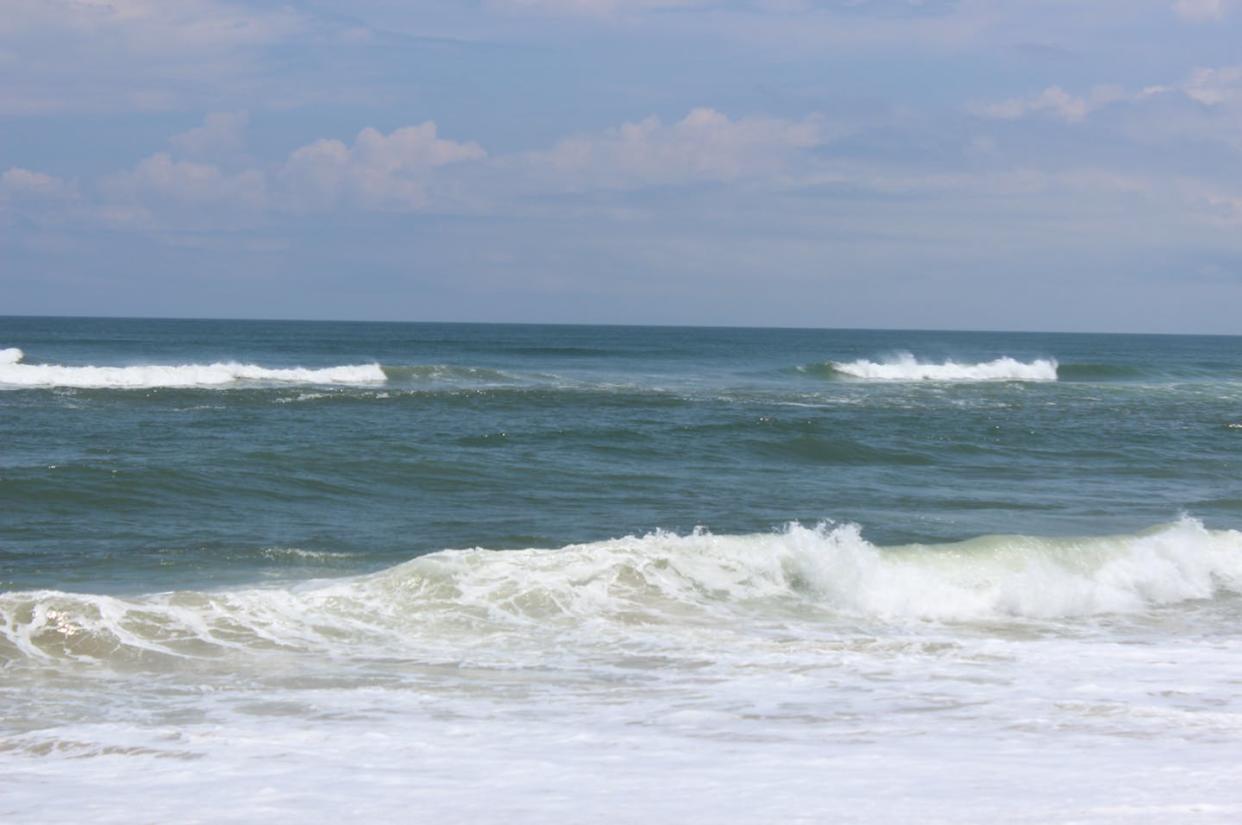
510, 573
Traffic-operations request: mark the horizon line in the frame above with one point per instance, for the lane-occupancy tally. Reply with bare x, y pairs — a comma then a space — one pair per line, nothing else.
611, 324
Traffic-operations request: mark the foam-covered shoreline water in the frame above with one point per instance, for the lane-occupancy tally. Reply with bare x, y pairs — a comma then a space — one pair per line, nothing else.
696, 678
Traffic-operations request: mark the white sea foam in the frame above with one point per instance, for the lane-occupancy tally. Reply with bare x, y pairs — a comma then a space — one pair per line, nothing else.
806, 675
299, 553
905, 367
659, 579
14, 373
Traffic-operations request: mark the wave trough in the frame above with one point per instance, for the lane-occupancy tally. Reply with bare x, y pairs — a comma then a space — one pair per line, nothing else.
905, 367
15, 373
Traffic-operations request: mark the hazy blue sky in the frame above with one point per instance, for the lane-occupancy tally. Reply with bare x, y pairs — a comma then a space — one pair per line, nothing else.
894, 163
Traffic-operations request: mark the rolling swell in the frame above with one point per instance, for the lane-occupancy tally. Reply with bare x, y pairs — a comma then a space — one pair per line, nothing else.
1103, 372
448, 373
456, 598
834, 450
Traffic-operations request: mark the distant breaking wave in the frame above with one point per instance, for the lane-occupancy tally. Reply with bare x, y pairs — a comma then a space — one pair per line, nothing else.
14, 373
905, 367
456, 598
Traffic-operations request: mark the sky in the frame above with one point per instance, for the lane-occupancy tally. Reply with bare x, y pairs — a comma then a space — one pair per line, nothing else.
924, 164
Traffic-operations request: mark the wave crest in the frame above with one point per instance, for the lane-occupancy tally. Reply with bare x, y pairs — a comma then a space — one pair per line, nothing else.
905, 367
459, 598
14, 373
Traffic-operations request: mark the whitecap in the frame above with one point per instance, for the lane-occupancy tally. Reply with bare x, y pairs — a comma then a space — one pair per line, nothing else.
15, 373
905, 367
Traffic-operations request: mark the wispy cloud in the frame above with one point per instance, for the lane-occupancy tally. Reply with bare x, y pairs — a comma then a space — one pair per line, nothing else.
1211, 87
1053, 101
704, 146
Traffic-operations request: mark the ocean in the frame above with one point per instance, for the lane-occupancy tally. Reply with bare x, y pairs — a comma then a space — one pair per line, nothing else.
517, 573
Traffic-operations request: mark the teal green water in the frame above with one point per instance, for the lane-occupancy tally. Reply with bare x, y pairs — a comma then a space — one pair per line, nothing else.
539, 436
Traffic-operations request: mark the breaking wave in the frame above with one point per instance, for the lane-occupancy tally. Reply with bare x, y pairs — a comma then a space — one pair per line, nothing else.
15, 373
458, 598
905, 367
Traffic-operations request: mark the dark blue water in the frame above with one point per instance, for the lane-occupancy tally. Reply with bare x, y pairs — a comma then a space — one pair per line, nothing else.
539, 436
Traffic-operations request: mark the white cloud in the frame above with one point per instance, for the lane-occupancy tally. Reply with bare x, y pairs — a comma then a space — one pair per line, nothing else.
377, 172
222, 133
1214, 87
161, 181
154, 26
40, 201
96, 55
704, 146
1211, 87
17, 182
1229, 210
594, 8
604, 8
1200, 11
414, 168
1053, 101
1210, 109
